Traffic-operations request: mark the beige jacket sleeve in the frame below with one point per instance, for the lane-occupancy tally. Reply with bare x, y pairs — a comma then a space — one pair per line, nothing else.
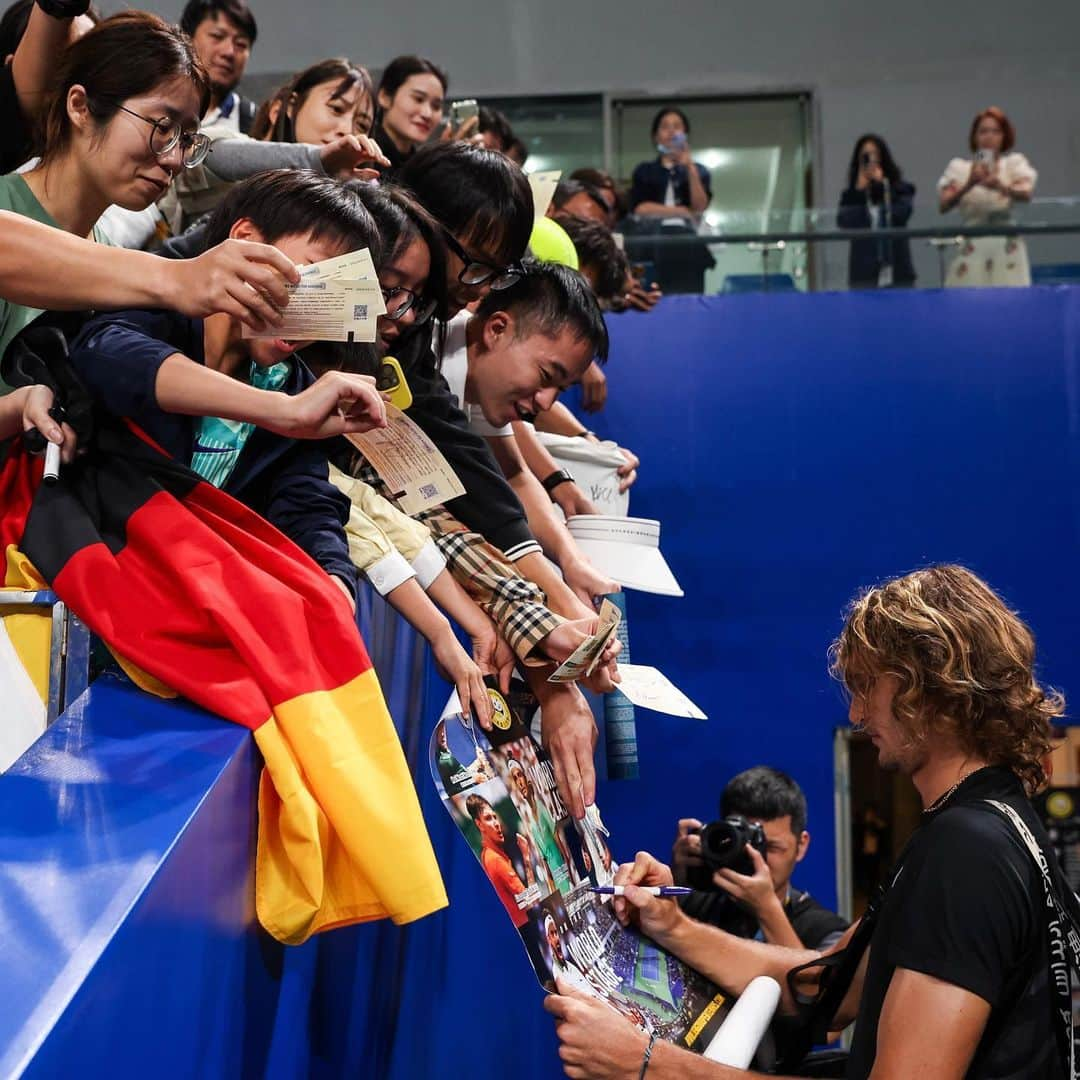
373, 553
411, 537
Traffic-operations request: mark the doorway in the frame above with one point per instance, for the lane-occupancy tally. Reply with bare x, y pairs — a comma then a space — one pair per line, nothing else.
877, 810
758, 152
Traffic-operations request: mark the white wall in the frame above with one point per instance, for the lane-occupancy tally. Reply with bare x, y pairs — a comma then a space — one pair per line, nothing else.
914, 72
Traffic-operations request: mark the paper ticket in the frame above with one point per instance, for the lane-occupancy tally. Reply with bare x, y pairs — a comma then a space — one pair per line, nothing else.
615, 621
584, 658
409, 463
649, 688
543, 186
353, 264
327, 310
352, 267
337, 299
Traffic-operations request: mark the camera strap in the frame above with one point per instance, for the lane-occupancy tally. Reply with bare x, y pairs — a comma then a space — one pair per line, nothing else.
1063, 940
836, 973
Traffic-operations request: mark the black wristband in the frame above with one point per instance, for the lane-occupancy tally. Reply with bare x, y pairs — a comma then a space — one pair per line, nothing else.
648, 1056
64, 9
559, 476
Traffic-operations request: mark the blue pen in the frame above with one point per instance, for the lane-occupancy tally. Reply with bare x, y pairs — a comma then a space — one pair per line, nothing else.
652, 890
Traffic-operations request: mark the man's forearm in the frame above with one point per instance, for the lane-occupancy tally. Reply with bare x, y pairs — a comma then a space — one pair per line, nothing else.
541, 464
539, 511
732, 962
776, 926
670, 1062
545, 523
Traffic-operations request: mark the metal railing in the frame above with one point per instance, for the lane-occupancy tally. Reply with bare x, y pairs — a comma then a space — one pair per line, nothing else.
809, 245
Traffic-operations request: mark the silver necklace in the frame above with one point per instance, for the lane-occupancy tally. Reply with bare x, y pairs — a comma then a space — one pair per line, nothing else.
942, 799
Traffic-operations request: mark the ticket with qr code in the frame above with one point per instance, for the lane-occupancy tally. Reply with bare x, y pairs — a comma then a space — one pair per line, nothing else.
337, 299
327, 310
408, 462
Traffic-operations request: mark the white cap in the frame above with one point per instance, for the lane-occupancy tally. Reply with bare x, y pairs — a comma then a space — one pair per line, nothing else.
627, 549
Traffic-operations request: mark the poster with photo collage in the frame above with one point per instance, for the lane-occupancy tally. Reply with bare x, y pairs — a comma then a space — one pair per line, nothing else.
500, 789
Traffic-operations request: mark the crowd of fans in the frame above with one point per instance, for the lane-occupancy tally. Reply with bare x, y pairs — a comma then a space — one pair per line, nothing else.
128, 133
172, 214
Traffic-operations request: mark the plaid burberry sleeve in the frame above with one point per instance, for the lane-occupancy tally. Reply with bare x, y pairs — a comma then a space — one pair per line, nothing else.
516, 605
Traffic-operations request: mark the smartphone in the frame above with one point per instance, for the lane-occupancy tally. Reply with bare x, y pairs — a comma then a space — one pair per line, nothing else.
677, 143
390, 379
460, 111
984, 157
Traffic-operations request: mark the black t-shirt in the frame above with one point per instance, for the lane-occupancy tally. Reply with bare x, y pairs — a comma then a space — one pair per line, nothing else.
15, 139
815, 926
967, 908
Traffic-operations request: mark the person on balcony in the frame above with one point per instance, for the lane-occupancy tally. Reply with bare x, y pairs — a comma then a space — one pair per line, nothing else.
668, 195
876, 197
985, 189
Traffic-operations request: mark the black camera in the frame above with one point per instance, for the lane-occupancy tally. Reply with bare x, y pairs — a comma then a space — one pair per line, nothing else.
723, 844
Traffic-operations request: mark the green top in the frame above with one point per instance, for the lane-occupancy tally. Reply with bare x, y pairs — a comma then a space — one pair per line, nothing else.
17, 197
218, 442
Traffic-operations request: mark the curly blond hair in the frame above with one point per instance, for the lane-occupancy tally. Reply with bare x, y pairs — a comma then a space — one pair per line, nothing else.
964, 662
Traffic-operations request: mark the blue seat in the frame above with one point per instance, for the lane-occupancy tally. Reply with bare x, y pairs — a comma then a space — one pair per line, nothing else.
747, 283
1056, 274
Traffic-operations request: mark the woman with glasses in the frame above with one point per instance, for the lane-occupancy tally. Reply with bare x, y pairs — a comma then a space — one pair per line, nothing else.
319, 120
124, 121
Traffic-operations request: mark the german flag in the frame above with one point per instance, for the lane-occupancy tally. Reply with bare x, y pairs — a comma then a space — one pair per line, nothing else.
201, 593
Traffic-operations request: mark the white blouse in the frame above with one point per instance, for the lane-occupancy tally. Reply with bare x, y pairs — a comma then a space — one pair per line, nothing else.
981, 203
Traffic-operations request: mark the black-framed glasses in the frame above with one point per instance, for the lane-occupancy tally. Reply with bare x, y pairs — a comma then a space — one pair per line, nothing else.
400, 300
477, 272
165, 134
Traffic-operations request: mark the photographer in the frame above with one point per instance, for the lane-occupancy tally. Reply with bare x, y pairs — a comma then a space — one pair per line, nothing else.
876, 197
950, 973
756, 846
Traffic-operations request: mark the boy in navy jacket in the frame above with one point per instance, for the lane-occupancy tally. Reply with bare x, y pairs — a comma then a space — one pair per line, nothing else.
246, 414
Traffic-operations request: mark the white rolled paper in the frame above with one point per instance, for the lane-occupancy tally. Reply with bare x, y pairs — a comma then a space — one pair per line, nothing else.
739, 1035
52, 463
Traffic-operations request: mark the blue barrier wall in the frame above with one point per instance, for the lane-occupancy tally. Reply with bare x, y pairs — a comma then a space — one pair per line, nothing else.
126, 840
799, 446
795, 447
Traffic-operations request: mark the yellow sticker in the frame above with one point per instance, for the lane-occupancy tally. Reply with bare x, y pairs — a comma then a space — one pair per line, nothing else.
699, 1025
1059, 804
501, 716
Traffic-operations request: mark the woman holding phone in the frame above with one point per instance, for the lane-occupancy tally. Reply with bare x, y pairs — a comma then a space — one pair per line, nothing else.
876, 197
984, 189
668, 195
673, 185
